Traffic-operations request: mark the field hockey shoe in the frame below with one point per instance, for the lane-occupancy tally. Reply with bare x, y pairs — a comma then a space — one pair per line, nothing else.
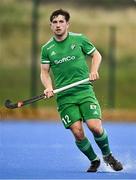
94, 166
115, 164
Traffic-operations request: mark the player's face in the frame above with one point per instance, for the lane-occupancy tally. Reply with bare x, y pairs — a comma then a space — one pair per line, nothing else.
59, 25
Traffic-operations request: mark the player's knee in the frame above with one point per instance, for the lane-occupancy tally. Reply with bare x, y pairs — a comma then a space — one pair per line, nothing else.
96, 129
79, 134
95, 126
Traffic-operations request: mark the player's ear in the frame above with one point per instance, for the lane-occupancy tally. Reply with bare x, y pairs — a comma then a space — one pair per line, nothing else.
50, 25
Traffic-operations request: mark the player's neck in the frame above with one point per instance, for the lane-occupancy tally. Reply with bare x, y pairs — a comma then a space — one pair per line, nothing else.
61, 37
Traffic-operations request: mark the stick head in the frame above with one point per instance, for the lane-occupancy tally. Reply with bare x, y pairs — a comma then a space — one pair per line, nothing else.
9, 104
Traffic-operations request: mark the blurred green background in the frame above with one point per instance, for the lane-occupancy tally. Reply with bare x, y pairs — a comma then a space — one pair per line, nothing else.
107, 23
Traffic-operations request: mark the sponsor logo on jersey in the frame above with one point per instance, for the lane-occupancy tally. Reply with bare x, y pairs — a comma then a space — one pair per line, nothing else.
65, 59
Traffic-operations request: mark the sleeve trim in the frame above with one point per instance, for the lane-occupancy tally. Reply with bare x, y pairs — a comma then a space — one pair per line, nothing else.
45, 61
92, 50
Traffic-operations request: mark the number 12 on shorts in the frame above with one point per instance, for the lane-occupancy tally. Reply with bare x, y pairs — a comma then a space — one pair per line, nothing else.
66, 120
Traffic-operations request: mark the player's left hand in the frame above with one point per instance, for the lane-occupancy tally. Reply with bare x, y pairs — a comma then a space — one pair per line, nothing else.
93, 76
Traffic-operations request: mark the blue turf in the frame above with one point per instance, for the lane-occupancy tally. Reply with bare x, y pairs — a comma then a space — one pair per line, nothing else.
45, 150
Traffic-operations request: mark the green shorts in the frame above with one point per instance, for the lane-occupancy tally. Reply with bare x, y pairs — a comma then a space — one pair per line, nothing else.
72, 112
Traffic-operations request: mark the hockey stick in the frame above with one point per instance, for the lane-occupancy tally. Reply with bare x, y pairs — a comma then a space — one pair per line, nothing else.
9, 104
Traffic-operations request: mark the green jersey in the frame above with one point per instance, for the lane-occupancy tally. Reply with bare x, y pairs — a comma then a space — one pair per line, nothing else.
67, 60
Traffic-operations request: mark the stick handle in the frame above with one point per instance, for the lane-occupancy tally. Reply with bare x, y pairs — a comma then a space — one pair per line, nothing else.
70, 85
11, 105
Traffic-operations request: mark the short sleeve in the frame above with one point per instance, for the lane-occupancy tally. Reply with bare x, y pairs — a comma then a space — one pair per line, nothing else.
44, 56
87, 47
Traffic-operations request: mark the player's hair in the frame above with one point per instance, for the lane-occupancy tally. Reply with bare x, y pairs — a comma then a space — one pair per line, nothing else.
60, 12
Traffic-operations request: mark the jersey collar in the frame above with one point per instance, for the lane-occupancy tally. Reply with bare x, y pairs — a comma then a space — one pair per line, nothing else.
62, 40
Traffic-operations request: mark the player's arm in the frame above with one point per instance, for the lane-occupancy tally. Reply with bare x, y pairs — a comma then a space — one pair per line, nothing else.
46, 80
96, 60
90, 50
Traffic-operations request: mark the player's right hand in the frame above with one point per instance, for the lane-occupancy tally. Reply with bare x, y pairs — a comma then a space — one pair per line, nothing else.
48, 92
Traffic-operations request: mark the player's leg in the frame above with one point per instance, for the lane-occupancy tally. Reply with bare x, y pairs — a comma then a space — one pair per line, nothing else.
71, 119
81, 141
84, 145
92, 115
100, 135
101, 138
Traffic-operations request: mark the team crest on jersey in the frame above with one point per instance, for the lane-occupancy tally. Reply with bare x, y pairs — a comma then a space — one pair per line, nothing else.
73, 46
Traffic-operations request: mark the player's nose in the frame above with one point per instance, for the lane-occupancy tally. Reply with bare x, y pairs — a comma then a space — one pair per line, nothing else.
58, 24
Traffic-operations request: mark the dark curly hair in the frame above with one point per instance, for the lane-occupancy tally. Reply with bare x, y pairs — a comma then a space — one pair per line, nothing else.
60, 12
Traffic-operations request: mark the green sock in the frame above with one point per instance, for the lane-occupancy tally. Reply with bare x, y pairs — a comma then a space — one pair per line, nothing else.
86, 148
103, 143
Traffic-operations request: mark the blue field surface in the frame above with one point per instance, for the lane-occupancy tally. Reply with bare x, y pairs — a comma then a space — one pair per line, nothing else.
45, 150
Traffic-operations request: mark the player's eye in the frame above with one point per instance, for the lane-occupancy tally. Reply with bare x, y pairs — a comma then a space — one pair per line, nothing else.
54, 22
61, 21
